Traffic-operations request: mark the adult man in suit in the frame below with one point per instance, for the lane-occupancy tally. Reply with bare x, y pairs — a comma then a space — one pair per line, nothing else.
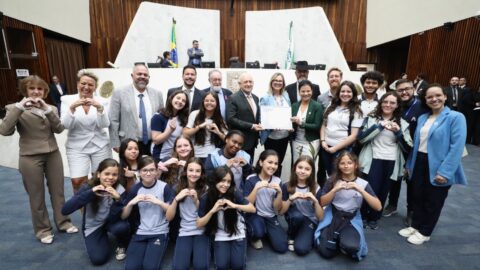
421, 83
215, 80
243, 113
334, 78
131, 109
454, 94
57, 90
301, 72
194, 94
195, 55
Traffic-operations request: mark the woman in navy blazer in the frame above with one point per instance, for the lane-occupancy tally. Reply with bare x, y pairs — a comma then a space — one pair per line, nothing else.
435, 162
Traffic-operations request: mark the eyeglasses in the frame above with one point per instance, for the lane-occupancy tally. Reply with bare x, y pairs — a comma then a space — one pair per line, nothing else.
279, 81
146, 171
404, 89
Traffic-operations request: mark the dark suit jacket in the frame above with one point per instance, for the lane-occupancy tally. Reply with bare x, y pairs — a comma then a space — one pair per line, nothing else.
226, 93
313, 121
197, 97
241, 117
55, 95
423, 85
449, 102
292, 92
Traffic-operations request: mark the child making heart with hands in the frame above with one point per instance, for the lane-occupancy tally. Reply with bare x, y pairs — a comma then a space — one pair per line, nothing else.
263, 190
343, 194
301, 205
191, 242
219, 213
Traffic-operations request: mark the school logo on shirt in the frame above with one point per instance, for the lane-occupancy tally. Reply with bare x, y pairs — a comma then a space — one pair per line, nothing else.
413, 119
157, 242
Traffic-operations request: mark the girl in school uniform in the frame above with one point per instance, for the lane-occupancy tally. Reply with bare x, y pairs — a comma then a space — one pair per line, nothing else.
170, 169
301, 205
102, 198
341, 228
151, 199
263, 190
192, 247
219, 213
129, 154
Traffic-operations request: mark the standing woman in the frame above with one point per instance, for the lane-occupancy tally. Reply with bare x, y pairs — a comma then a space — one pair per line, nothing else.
341, 122
301, 205
129, 154
40, 159
150, 199
435, 163
220, 213
341, 229
192, 244
263, 190
168, 123
87, 122
233, 157
206, 126
276, 139
307, 119
385, 140
103, 200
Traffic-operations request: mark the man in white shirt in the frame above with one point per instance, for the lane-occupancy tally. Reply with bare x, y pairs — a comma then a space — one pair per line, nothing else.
195, 95
57, 90
371, 81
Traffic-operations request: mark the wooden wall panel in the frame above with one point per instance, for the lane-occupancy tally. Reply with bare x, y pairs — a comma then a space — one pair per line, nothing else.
441, 54
110, 20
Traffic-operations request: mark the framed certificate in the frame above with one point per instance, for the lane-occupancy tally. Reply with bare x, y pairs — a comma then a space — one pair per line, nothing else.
276, 117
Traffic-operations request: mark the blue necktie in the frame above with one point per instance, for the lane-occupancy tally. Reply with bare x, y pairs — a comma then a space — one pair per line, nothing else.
143, 116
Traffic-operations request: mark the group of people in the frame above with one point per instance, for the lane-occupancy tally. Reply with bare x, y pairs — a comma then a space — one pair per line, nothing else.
185, 171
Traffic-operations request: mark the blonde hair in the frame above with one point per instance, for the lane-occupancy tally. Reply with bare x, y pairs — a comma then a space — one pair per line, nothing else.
275, 75
84, 72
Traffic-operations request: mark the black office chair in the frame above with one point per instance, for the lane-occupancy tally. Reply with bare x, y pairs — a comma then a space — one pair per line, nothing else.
255, 64
208, 64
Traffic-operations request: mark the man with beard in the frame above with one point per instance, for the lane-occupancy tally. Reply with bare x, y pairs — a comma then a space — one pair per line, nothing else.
334, 78
301, 72
215, 80
412, 108
243, 113
194, 94
131, 109
454, 94
371, 81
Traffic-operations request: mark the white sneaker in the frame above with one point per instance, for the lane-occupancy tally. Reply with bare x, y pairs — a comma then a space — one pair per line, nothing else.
406, 232
71, 230
120, 254
257, 244
291, 245
47, 239
417, 238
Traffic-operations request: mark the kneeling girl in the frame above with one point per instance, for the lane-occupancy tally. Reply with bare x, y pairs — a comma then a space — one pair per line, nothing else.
343, 194
151, 199
219, 213
102, 198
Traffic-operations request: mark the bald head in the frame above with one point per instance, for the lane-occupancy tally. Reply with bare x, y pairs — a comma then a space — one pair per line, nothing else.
245, 81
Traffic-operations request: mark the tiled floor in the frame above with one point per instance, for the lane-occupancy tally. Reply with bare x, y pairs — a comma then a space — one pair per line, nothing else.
455, 243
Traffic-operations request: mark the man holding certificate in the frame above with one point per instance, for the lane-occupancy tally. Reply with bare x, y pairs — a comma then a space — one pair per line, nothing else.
243, 113
275, 111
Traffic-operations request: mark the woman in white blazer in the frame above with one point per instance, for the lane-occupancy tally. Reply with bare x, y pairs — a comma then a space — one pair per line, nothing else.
87, 122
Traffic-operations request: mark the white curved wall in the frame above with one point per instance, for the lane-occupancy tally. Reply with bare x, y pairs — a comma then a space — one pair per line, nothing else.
149, 34
266, 37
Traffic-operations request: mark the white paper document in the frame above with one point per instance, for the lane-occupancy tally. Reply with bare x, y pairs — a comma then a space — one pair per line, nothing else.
276, 117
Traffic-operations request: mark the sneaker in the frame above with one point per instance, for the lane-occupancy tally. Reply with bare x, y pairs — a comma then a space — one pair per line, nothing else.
408, 219
291, 245
120, 254
372, 224
71, 230
417, 238
389, 211
257, 244
47, 239
407, 232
